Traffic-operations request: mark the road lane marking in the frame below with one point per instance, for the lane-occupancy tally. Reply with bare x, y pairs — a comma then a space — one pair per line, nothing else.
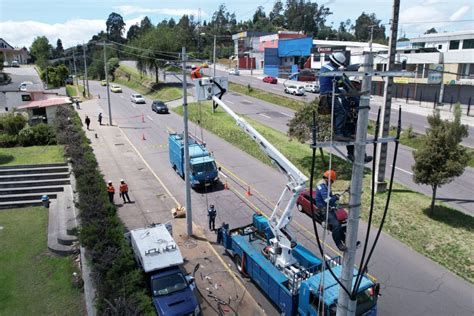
268, 117
285, 114
149, 117
178, 204
229, 101
403, 170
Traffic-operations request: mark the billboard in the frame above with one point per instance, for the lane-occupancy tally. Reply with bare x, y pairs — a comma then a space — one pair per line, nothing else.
435, 74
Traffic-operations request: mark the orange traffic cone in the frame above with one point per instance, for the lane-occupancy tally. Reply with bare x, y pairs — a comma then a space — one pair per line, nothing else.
226, 186
143, 136
248, 193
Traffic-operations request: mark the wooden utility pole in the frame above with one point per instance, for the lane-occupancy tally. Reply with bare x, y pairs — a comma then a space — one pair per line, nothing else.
381, 164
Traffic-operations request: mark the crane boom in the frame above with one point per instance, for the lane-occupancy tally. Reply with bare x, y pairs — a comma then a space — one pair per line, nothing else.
283, 241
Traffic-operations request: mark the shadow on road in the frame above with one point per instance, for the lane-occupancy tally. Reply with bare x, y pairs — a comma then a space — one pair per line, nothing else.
451, 217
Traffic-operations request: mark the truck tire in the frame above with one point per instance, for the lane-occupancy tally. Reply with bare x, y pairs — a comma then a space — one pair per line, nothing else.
238, 263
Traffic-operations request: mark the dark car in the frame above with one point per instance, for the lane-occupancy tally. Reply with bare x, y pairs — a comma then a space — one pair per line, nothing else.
159, 107
270, 79
69, 80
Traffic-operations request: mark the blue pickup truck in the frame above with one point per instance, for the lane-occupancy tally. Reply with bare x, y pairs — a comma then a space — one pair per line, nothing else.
203, 169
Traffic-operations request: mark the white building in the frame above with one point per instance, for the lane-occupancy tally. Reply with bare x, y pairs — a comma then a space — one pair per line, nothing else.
10, 53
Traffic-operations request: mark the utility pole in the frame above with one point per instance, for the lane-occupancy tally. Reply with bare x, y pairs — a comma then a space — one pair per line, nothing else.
214, 70
441, 89
346, 306
189, 214
251, 51
86, 86
74, 59
381, 185
107, 80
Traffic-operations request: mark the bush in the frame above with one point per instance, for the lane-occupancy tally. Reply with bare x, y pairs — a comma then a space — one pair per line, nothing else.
7, 140
120, 285
37, 135
12, 123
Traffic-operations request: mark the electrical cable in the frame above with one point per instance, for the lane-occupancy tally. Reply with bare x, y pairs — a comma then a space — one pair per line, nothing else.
372, 198
392, 175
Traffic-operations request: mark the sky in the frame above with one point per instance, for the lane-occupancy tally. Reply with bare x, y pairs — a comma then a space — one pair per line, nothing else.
77, 21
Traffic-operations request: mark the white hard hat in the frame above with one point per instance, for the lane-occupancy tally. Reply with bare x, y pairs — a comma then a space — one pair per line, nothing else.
338, 58
110, 181
122, 180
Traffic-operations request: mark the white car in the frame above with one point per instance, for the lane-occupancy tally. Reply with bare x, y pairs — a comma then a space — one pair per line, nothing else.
234, 71
294, 90
312, 87
137, 98
15, 63
23, 85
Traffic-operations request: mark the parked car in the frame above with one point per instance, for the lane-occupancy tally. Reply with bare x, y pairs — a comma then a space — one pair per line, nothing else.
103, 83
234, 71
303, 203
137, 98
159, 107
312, 87
6, 64
270, 79
294, 90
15, 63
115, 88
23, 85
70, 80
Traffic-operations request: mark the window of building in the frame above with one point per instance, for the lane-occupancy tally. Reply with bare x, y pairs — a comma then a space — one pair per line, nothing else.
467, 71
39, 112
468, 43
418, 45
409, 67
426, 71
440, 46
419, 70
316, 57
26, 97
453, 44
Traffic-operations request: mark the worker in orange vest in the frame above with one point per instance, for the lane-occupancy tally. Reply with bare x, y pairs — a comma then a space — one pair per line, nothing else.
124, 191
196, 72
110, 191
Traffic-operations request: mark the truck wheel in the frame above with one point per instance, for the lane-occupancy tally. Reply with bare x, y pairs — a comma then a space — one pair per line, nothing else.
238, 263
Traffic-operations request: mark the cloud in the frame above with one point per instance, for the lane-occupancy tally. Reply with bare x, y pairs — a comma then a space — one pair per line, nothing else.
129, 9
459, 13
72, 32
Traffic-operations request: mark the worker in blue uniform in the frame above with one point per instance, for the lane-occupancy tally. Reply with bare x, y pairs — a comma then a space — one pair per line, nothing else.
342, 132
325, 197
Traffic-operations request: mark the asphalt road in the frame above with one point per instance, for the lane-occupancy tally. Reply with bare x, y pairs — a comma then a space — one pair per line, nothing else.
418, 122
411, 284
20, 74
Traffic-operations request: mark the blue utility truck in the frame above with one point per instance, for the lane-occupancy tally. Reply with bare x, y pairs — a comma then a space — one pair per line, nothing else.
304, 288
172, 290
203, 169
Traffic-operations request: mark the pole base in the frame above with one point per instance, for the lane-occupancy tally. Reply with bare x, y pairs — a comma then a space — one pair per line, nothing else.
380, 187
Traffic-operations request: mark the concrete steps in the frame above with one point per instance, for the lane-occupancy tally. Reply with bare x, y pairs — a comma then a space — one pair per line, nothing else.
34, 183
25, 197
55, 169
33, 177
22, 190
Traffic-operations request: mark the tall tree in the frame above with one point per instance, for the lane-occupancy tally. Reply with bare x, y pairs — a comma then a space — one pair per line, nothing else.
41, 51
441, 157
59, 48
431, 31
145, 24
115, 27
276, 15
363, 25
133, 32
303, 15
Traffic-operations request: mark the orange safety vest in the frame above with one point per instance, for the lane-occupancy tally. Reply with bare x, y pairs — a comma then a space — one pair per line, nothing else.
123, 187
110, 188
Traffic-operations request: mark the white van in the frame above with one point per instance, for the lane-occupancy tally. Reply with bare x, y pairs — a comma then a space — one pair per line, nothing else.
294, 90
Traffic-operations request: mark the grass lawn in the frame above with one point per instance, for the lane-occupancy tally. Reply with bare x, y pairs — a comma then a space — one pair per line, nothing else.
33, 281
31, 155
265, 96
71, 90
145, 85
446, 237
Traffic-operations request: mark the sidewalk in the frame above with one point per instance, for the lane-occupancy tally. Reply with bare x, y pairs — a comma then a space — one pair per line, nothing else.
152, 203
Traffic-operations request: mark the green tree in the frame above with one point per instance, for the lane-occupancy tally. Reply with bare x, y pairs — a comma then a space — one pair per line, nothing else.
431, 31
441, 157
59, 51
133, 32
56, 75
276, 15
115, 27
112, 65
301, 125
41, 51
363, 25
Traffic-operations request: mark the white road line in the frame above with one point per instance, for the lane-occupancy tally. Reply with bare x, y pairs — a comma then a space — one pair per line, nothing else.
285, 114
229, 101
250, 102
264, 115
402, 170
223, 174
149, 117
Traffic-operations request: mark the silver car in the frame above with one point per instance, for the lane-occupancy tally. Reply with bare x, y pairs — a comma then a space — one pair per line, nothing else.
137, 98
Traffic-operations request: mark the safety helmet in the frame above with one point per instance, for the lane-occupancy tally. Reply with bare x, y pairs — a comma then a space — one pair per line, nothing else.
338, 58
193, 66
211, 206
110, 181
330, 174
122, 180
